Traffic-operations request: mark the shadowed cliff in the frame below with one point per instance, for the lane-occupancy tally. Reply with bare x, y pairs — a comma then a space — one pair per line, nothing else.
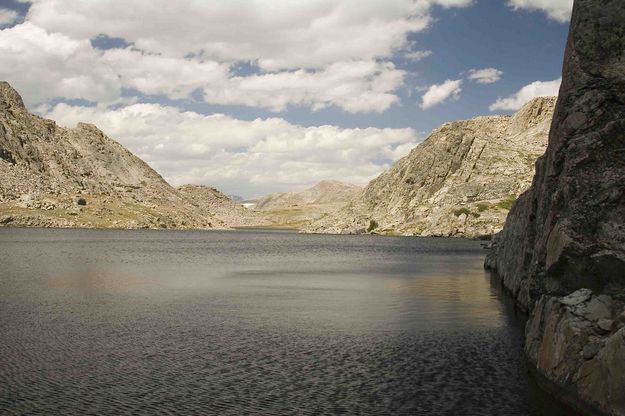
568, 230
562, 250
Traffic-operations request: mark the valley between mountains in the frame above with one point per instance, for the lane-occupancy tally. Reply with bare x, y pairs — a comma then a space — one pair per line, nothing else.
461, 181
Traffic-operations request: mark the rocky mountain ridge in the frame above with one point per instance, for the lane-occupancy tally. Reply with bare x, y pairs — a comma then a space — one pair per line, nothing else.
298, 209
58, 177
323, 193
460, 181
561, 253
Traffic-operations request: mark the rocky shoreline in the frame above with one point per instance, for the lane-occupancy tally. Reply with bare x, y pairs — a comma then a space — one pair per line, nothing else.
577, 342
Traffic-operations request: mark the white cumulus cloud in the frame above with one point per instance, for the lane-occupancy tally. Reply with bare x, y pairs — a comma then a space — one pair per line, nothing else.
437, 94
558, 10
315, 54
244, 157
525, 94
161, 75
485, 76
353, 86
43, 65
279, 34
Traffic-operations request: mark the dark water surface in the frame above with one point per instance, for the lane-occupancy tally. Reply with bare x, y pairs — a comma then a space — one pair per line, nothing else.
250, 322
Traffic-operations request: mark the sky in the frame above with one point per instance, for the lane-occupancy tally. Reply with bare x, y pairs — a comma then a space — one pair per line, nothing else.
260, 96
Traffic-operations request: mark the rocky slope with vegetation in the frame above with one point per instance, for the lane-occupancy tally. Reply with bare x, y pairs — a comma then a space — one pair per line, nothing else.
562, 250
58, 177
461, 181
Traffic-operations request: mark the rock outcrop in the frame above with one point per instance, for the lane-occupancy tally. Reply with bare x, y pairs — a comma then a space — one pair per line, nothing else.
58, 177
461, 181
567, 232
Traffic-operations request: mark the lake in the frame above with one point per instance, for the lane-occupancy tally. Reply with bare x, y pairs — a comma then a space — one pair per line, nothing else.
114, 322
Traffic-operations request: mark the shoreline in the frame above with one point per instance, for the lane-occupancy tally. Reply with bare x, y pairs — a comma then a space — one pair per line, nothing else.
286, 229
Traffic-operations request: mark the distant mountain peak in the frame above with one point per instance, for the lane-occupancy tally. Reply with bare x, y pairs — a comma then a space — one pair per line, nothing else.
323, 193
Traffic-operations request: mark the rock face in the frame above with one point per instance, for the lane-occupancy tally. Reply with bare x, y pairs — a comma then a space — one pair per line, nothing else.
567, 232
461, 181
53, 176
578, 343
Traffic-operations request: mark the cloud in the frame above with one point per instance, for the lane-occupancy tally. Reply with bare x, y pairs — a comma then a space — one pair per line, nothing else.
525, 94
485, 76
243, 157
558, 10
8, 17
42, 65
151, 74
448, 3
277, 34
436, 94
314, 54
353, 86
417, 55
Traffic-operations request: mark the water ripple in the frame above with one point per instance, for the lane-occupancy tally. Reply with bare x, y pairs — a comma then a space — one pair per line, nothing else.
171, 323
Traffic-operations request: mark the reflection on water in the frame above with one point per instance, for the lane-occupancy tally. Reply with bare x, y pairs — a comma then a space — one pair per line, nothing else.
101, 281
145, 322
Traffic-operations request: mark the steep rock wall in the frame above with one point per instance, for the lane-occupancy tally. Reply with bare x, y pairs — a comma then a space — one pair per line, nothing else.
562, 250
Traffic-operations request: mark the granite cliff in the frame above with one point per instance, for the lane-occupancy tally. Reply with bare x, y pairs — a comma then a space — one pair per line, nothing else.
58, 177
561, 253
461, 181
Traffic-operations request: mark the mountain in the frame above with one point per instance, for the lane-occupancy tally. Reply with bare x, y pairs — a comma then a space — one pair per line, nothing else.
54, 176
298, 209
460, 181
323, 193
221, 206
561, 253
